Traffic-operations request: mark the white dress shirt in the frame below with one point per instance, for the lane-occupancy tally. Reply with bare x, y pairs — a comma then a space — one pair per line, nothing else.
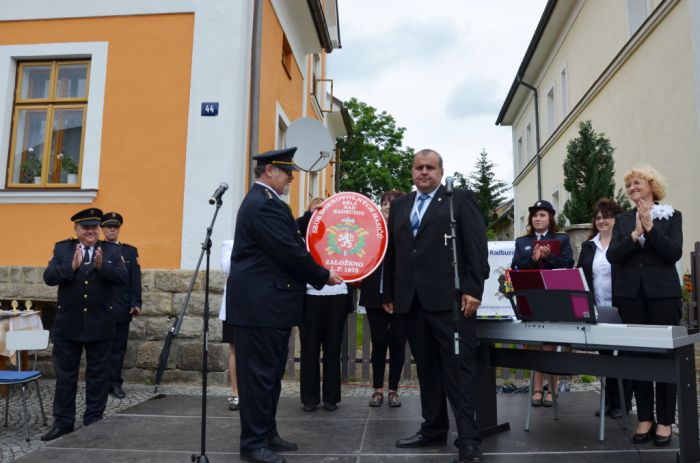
602, 275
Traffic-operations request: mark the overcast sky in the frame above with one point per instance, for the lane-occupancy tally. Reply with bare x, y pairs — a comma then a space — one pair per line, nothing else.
442, 68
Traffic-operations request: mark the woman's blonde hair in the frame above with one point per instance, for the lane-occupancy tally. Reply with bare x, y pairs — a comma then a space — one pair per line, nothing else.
315, 202
656, 181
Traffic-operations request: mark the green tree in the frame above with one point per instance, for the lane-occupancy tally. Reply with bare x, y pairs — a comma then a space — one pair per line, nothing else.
488, 190
373, 159
589, 171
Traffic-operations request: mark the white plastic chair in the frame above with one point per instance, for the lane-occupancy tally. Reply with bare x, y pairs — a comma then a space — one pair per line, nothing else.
19, 341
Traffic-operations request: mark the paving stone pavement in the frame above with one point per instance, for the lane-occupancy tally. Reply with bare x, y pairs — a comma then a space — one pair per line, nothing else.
12, 438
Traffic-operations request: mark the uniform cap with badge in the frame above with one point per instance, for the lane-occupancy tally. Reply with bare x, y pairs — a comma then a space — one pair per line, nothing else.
281, 158
112, 219
88, 217
542, 205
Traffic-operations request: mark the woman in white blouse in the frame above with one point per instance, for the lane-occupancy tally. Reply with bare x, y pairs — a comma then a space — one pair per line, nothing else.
599, 276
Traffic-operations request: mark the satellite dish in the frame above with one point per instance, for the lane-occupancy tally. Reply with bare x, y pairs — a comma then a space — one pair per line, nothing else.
313, 141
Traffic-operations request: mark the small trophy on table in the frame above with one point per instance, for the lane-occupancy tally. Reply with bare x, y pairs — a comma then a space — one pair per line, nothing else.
14, 305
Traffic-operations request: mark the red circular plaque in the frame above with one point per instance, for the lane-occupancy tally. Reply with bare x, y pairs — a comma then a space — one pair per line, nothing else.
348, 234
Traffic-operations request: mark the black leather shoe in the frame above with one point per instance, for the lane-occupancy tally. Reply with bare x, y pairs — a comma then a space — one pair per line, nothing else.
309, 407
641, 438
55, 433
117, 392
281, 445
263, 455
419, 440
662, 441
607, 411
470, 454
330, 406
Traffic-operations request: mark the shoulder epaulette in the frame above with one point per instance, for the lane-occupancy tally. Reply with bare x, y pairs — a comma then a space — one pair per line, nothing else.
67, 240
127, 245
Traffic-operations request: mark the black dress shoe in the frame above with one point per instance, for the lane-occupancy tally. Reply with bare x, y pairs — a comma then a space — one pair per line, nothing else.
281, 445
419, 440
470, 454
607, 411
641, 438
661, 441
117, 392
330, 406
309, 407
55, 433
263, 455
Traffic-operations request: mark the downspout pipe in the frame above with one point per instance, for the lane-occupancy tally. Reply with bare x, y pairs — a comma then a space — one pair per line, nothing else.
254, 103
537, 134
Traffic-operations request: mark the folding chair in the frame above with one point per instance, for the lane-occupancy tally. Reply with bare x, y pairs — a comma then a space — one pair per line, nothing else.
24, 341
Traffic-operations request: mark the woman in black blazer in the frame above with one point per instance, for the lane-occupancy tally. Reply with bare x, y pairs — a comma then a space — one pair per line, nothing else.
386, 330
646, 244
600, 275
529, 255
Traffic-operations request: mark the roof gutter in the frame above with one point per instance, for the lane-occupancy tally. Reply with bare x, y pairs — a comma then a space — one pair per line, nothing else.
319, 19
534, 43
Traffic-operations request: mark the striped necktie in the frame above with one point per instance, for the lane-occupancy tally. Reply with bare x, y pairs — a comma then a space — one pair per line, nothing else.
415, 218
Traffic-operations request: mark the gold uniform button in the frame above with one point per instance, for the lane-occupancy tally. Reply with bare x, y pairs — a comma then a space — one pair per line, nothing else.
86, 282
84, 296
85, 309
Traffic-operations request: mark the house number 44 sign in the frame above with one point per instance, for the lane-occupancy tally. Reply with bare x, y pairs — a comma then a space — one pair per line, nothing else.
210, 109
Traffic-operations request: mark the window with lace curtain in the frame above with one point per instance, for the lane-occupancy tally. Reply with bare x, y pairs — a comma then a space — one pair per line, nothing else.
50, 102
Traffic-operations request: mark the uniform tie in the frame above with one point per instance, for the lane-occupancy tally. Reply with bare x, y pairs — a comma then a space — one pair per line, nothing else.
86, 255
415, 218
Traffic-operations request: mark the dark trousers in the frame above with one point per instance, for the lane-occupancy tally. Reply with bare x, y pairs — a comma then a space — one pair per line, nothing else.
612, 393
324, 321
116, 356
641, 310
261, 355
431, 336
386, 331
66, 363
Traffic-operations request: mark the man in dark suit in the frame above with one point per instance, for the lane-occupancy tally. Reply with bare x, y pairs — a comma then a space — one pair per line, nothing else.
86, 271
419, 284
127, 301
270, 268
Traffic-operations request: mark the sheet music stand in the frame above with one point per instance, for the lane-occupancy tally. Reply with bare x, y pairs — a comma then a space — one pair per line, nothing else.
557, 305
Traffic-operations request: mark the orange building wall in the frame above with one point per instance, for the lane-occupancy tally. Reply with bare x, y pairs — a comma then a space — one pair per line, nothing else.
276, 86
144, 135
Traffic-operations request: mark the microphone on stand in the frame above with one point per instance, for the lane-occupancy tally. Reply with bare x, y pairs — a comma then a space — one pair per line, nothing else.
218, 193
449, 186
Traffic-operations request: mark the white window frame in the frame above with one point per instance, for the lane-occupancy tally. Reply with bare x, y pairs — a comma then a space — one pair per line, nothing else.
282, 123
528, 142
564, 91
96, 52
551, 110
521, 159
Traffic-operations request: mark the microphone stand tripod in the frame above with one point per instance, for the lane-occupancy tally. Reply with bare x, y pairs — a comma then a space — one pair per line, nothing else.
456, 302
175, 330
206, 248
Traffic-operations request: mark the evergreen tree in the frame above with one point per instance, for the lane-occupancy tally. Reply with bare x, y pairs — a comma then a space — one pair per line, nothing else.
488, 190
589, 171
373, 159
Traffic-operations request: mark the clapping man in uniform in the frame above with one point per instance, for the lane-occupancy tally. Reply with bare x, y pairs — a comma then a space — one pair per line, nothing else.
127, 301
418, 283
270, 268
86, 271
